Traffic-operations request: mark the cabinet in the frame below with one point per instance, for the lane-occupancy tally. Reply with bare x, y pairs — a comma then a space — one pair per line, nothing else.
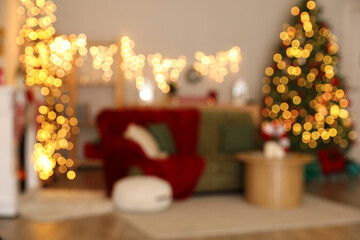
8, 177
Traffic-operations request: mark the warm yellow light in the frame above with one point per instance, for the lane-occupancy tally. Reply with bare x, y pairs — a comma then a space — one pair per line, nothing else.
307, 126
325, 135
283, 106
286, 115
275, 108
315, 135
73, 121
296, 100
344, 103
311, 5
297, 127
281, 65
284, 36
269, 71
334, 110
43, 109
277, 57
281, 88
306, 136
295, 11
339, 93
332, 132
343, 113
329, 120
305, 17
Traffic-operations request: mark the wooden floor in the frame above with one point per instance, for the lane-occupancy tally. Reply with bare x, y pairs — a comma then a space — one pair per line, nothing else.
342, 189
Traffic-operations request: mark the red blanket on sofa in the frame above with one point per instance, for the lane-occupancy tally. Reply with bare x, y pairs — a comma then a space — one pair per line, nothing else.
182, 170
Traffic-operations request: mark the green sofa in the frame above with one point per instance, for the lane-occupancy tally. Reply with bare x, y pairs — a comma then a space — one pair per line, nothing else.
223, 172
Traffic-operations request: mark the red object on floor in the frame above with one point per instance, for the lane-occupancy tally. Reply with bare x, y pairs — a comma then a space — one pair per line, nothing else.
331, 160
182, 170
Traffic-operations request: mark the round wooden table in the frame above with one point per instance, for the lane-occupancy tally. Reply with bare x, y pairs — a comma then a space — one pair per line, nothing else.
274, 183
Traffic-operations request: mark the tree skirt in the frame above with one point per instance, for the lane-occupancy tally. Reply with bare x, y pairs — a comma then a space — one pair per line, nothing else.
49, 205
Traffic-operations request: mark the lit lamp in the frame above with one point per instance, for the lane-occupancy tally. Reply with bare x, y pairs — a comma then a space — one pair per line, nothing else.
240, 92
146, 93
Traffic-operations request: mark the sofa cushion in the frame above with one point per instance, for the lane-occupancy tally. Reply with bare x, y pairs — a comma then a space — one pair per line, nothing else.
210, 139
237, 137
183, 123
163, 136
143, 137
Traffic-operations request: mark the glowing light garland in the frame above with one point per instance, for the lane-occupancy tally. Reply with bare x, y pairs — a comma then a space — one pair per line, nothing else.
132, 65
216, 67
47, 60
103, 58
162, 67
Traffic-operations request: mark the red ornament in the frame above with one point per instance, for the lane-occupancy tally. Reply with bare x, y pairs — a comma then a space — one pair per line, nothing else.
335, 82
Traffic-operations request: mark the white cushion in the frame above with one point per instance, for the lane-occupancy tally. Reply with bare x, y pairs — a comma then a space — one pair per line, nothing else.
145, 139
142, 194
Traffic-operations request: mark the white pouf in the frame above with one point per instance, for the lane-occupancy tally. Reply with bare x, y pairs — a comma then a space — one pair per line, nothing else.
142, 194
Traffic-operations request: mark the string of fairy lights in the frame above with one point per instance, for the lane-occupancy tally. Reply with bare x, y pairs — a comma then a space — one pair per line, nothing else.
302, 91
216, 67
48, 59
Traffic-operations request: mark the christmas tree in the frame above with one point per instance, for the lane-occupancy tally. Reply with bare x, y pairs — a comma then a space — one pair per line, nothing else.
302, 90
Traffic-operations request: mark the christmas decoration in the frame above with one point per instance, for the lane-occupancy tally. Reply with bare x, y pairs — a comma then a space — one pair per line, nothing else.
216, 67
271, 132
48, 59
273, 149
302, 89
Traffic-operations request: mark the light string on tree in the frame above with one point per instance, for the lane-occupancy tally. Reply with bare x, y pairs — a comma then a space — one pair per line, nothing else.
47, 60
302, 90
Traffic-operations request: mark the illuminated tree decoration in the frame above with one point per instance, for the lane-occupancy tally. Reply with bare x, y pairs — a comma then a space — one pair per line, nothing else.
302, 89
47, 60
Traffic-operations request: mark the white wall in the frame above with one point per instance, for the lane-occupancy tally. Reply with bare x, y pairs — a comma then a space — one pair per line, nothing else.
184, 27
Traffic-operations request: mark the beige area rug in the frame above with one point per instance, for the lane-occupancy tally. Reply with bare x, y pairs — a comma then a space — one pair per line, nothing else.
228, 215
49, 205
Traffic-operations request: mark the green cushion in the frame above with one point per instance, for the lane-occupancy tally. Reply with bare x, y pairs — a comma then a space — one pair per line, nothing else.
237, 137
210, 137
163, 136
